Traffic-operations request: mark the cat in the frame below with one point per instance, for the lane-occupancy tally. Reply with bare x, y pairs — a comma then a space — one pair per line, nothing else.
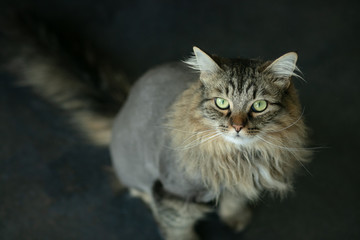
187, 134
226, 131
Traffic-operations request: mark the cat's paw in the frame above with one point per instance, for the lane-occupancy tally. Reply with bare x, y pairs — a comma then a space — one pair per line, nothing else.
238, 222
175, 235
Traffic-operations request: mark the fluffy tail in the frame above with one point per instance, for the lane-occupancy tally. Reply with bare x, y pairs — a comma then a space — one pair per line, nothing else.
65, 73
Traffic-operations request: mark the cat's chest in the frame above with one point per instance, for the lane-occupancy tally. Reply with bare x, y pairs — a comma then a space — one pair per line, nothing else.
247, 171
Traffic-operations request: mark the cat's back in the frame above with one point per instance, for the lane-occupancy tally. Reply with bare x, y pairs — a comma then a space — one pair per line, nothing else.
138, 133
162, 83
154, 92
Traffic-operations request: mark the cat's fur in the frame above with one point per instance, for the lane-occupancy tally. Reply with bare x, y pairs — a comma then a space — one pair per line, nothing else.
188, 144
171, 145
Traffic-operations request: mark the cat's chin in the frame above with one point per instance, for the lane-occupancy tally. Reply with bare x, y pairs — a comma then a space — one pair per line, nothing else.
239, 140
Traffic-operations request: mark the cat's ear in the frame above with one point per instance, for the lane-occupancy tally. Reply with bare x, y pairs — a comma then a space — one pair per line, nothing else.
283, 69
202, 62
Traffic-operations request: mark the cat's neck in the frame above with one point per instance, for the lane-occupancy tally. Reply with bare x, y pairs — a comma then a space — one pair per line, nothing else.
246, 169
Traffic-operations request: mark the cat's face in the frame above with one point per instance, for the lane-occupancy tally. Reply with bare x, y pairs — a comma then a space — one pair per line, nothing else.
245, 100
242, 104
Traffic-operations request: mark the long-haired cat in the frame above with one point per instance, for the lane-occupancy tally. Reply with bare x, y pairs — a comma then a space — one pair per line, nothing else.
209, 129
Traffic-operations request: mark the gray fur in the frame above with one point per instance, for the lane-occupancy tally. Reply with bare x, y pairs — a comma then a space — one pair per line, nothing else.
140, 147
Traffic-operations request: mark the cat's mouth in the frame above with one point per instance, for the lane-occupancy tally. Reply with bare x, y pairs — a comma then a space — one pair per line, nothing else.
239, 138
244, 136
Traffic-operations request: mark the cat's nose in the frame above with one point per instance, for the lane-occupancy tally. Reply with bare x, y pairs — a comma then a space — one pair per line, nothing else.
237, 127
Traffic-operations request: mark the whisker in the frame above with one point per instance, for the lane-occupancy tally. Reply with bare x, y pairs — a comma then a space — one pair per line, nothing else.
296, 121
197, 134
193, 141
180, 130
195, 138
202, 136
213, 137
289, 148
290, 151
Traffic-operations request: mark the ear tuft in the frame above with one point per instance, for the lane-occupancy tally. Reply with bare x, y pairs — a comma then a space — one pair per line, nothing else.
202, 62
285, 66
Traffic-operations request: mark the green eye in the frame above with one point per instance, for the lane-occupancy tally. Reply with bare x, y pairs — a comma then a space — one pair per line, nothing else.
222, 103
259, 106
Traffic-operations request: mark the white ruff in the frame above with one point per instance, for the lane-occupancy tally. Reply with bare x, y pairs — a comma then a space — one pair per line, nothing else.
239, 140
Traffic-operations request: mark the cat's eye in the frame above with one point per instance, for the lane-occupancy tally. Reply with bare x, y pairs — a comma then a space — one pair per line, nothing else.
259, 106
222, 103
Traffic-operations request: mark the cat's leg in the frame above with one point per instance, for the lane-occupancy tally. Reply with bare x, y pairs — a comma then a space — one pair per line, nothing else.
234, 211
146, 198
176, 218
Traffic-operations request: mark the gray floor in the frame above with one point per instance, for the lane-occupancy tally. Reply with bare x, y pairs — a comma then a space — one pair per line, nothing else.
55, 186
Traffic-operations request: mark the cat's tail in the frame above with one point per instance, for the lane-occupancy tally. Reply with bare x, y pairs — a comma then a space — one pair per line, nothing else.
66, 72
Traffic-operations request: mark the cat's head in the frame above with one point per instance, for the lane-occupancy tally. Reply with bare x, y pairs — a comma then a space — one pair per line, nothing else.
245, 100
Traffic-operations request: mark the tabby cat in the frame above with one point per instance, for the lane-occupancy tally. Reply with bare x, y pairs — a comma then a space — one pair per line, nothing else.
223, 130
207, 130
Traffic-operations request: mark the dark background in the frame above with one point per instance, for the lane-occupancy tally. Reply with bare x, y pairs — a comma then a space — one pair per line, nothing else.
53, 185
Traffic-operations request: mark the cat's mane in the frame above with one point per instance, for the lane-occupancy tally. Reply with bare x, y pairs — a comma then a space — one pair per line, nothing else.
268, 164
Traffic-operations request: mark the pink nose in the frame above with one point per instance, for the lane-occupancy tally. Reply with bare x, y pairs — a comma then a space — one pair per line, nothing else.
237, 127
